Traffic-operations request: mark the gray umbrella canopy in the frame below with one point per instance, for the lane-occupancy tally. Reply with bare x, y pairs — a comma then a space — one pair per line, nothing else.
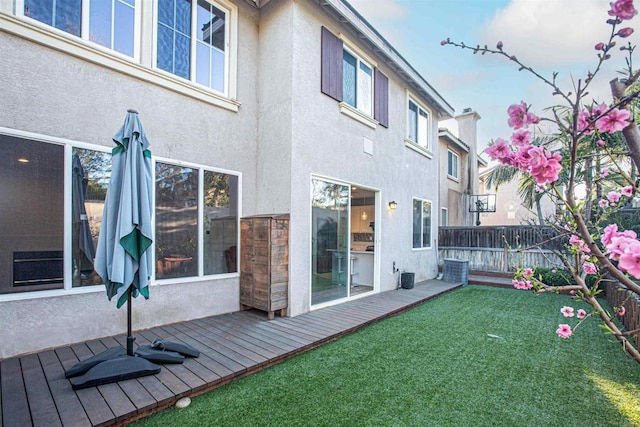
122, 257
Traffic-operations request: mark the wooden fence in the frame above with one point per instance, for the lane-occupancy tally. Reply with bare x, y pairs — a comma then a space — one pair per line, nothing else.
501, 248
619, 296
512, 236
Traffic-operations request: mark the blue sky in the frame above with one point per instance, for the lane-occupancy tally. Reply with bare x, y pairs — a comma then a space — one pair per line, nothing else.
549, 35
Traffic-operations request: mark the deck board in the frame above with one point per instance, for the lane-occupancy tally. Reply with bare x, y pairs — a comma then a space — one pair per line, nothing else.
33, 390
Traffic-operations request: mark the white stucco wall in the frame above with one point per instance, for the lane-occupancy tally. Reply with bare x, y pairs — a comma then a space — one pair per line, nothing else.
329, 144
54, 94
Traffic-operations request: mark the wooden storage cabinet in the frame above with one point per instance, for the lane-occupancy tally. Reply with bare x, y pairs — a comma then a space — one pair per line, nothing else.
264, 263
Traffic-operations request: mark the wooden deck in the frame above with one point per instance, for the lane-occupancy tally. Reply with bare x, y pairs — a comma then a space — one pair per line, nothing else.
34, 391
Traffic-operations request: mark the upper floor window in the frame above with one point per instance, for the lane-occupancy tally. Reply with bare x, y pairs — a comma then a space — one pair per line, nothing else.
444, 217
419, 125
192, 41
452, 164
348, 78
357, 83
110, 23
421, 223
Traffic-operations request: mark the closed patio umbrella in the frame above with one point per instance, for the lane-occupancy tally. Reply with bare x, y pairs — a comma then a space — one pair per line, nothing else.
123, 259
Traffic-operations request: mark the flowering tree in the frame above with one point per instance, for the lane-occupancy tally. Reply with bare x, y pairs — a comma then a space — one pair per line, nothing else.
583, 151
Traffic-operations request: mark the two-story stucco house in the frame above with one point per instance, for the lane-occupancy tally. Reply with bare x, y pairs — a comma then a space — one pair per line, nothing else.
459, 169
294, 107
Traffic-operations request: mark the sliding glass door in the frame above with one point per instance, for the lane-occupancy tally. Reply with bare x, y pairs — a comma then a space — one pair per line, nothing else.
330, 241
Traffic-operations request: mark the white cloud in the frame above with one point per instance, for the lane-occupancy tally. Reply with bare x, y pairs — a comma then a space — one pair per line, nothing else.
550, 33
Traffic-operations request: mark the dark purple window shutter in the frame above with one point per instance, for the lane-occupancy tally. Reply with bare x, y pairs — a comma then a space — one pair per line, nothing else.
381, 99
331, 73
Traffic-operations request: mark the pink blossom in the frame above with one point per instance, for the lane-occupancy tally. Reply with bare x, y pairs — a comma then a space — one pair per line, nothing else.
499, 150
520, 138
526, 154
546, 168
630, 258
443, 42
608, 232
627, 191
581, 314
600, 143
564, 330
615, 121
519, 117
621, 243
603, 203
528, 272
625, 32
622, 9
583, 122
621, 311
567, 311
589, 268
599, 46
554, 271
604, 173
613, 197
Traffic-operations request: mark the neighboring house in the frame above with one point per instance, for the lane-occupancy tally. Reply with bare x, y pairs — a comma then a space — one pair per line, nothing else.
275, 107
459, 163
510, 209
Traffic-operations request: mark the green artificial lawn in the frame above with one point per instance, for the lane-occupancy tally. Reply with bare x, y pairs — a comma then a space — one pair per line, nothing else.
479, 356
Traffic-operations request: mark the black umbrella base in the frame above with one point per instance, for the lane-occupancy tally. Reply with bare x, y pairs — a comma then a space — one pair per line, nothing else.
158, 356
117, 369
82, 367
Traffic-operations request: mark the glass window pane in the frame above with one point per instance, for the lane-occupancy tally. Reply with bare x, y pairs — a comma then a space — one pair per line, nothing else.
423, 130
426, 224
176, 221
330, 241
67, 16
183, 16
124, 23
412, 133
31, 215
365, 86
166, 12
165, 48
204, 22
349, 78
417, 223
218, 28
40, 10
217, 70
220, 238
89, 181
203, 63
100, 22
182, 56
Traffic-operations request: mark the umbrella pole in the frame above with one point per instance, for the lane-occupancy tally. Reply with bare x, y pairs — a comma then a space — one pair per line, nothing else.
130, 337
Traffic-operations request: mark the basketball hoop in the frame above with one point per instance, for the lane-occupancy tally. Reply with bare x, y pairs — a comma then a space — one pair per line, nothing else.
482, 203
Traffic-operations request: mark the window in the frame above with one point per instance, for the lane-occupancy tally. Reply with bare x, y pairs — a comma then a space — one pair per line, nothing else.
192, 41
421, 223
348, 78
444, 220
111, 23
419, 125
196, 216
32, 222
357, 83
452, 164
195, 234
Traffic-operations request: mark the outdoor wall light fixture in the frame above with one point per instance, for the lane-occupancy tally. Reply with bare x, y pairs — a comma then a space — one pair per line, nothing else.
393, 205
363, 215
